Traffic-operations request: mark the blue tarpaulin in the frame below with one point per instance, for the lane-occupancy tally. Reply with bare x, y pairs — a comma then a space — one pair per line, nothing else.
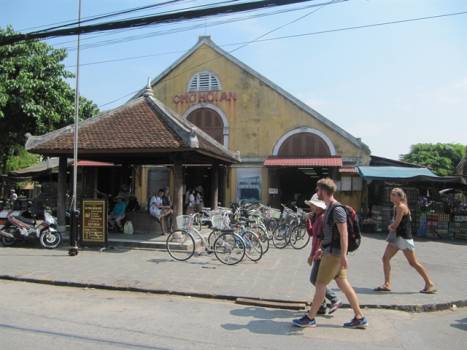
393, 172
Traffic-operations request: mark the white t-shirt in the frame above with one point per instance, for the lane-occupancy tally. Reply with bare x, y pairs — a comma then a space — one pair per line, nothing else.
154, 205
191, 200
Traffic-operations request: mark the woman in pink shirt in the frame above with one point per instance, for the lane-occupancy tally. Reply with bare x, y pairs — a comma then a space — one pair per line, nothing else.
315, 226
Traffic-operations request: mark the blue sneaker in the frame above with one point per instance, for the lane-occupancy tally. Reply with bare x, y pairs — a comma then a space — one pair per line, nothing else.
304, 322
361, 323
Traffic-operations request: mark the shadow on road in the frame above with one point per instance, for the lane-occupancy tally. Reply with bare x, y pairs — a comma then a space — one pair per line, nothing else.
267, 323
265, 314
461, 324
366, 290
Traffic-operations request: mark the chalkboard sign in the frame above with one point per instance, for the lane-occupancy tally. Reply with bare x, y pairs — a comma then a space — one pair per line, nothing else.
94, 222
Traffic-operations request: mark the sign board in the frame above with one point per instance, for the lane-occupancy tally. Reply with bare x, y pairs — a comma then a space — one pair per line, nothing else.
94, 222
273, 190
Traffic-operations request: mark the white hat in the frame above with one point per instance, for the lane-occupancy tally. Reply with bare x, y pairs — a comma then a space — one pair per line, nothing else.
316, 202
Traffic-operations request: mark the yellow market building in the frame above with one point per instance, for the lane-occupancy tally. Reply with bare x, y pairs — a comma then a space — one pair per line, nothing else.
284, 145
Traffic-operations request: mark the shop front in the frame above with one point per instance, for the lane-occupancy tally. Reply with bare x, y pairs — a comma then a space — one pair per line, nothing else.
438, 204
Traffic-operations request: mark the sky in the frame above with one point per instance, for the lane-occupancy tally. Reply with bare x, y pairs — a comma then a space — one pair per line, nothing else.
392, 86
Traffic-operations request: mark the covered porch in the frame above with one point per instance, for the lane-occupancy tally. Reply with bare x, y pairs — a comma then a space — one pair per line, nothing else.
142, 132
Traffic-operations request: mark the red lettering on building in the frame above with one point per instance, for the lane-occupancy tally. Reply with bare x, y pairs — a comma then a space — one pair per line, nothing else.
203, 97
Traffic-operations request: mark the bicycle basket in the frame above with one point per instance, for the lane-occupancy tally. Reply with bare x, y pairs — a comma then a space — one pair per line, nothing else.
275, 213
220, 222
184, 222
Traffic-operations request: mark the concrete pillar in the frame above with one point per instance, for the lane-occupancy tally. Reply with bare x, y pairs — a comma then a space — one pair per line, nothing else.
214, 186
61, 193
178, 189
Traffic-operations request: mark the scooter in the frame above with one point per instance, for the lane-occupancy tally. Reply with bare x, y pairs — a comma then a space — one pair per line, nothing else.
19, 229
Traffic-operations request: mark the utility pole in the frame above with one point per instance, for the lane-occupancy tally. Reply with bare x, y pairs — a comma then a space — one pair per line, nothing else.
75, 215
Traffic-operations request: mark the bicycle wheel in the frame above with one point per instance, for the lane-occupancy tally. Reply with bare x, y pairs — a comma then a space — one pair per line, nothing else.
197, 221
180, 245
299, 237
253, 245
280, 236
271, 226
263, 236
212, 237
229, 248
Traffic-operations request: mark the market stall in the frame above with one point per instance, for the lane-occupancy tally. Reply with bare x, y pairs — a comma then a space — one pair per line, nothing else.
438, 203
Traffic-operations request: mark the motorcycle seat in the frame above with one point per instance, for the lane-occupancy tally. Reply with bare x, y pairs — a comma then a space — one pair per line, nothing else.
25, 220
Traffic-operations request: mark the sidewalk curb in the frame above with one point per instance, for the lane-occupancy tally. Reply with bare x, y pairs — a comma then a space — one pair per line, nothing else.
272, 303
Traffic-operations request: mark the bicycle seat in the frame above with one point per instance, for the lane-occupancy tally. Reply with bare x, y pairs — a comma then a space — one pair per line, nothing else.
228, 230
25, 220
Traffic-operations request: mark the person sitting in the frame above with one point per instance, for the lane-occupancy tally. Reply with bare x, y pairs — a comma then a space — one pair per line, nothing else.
117, 214
160, 211
133, 204
191, 201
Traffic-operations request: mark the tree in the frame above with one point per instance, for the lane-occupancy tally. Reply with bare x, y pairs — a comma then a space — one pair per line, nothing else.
21, 159
34, 94
442, 158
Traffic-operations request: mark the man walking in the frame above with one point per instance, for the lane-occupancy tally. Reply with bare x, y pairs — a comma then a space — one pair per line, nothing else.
334, 261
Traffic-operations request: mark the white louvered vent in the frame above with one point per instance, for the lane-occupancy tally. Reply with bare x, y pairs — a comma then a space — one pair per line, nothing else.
204, 81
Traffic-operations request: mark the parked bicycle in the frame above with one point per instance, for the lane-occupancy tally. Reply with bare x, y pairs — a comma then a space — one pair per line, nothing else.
291, 229
228, 247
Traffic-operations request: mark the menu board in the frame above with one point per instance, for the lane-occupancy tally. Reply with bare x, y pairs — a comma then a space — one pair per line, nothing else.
94, 221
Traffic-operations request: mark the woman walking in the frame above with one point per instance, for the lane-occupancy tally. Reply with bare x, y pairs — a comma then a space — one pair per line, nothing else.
315, 223
400, 238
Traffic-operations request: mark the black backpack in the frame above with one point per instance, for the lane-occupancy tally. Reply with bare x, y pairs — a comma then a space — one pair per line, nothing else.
353, 229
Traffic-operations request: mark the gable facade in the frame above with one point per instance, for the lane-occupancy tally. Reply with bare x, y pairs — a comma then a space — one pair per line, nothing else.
252, 116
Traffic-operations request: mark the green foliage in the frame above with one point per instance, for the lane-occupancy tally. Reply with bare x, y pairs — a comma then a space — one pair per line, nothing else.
21, 159
34, 94
441, 158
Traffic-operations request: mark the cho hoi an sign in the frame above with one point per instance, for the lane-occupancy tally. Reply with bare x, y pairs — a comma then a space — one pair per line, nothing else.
94, 221
205, 97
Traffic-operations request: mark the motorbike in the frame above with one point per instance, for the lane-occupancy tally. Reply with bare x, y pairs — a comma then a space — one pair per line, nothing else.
19, 228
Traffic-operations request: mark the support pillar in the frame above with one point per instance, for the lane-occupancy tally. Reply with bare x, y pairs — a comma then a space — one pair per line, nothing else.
61, 193
215, 186
178, 189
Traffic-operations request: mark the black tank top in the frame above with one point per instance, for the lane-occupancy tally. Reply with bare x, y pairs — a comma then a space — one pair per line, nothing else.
404, 229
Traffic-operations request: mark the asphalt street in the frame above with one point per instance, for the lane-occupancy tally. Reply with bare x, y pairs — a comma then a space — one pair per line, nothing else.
47, 317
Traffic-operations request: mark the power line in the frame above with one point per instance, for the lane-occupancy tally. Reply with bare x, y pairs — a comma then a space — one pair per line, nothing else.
144, 21
261, 36
202, 25
288, 23
70, 22
379, 24
129, 58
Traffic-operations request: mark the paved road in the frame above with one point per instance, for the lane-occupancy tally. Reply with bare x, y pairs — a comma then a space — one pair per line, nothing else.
46, 317
282, 274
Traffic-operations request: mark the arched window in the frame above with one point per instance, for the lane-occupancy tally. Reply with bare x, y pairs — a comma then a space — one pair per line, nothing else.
304, 145
204, 81
304, 142
209, 121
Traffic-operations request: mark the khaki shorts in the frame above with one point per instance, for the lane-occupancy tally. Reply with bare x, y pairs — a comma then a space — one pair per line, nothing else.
330, 269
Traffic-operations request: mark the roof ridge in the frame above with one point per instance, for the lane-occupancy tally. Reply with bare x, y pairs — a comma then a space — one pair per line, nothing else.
34, 141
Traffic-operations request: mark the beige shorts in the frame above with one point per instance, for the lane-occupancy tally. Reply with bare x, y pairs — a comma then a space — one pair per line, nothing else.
330, 269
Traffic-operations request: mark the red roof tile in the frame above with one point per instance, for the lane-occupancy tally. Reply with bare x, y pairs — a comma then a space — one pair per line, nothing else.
144, 124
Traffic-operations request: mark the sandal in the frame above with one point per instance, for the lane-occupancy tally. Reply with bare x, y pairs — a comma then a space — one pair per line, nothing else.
382, 289
430, 290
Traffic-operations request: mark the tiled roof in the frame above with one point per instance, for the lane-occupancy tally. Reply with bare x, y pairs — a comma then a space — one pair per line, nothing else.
303, 162
141, 125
